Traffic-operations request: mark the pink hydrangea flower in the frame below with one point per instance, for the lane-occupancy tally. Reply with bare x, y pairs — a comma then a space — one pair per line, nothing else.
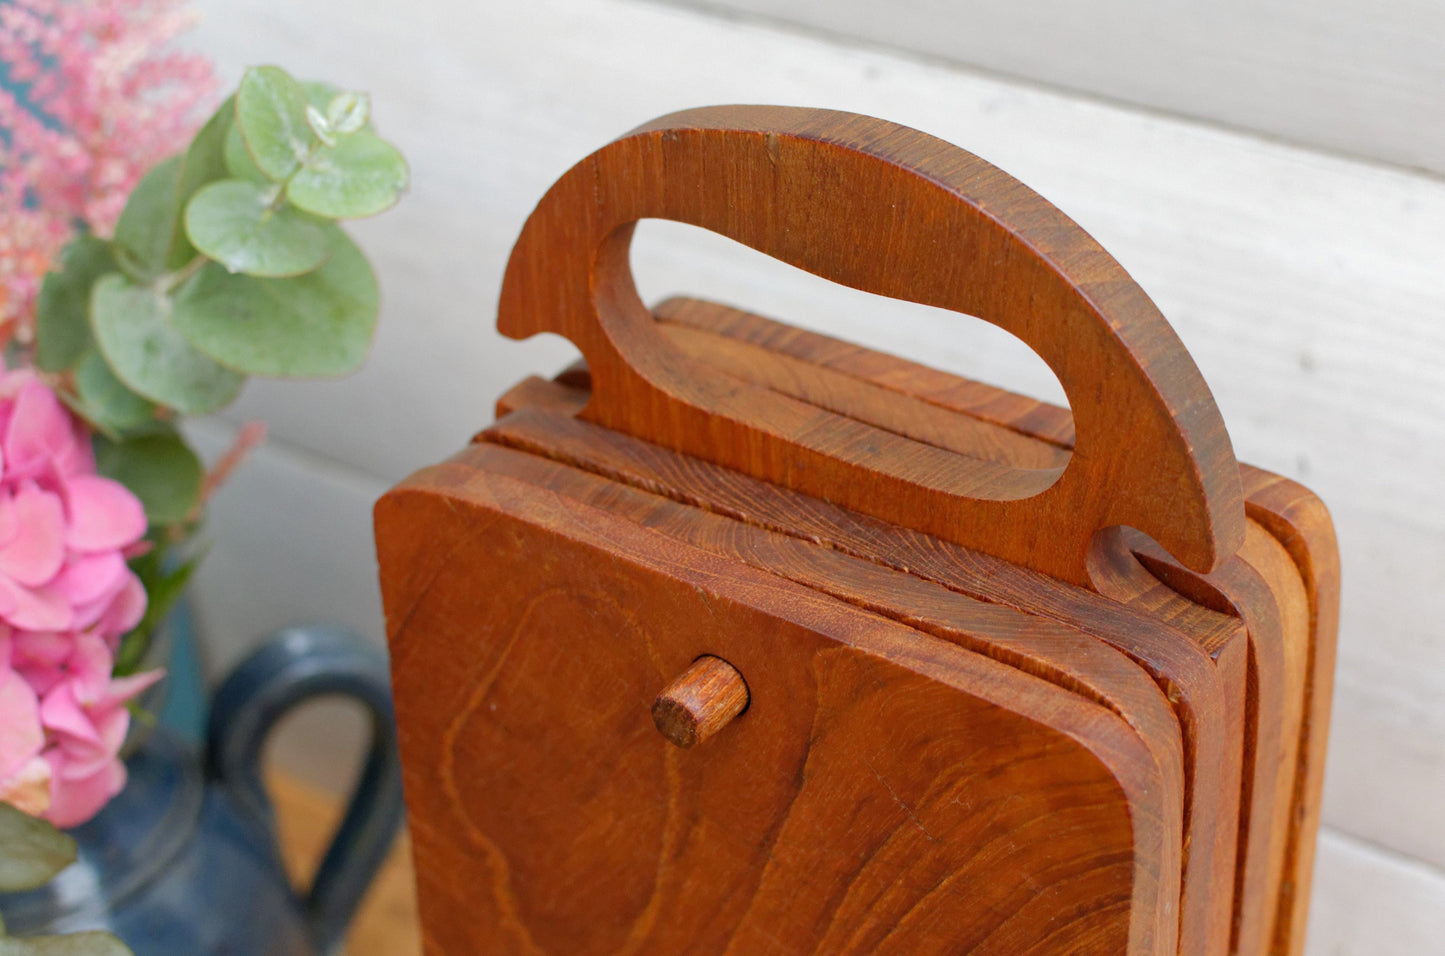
24, 774
66, 598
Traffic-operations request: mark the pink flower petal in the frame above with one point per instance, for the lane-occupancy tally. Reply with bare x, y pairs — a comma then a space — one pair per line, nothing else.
123, 689
88, 614
73, 757
39, 647
72, 802
61, 713
126, 610
90, 665
9, 598
103, 514
34, 609
93, 577
111, 724
9, 521
21, 735
36, 550
79, 457
39, 657
40, 432
136, 550
76, 757
12, 381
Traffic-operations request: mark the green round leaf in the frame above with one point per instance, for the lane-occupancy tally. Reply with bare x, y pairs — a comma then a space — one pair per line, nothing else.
133, 327
205, 159
319, 93
361, 175
62, 322
204, 162
147, 225
233, 222
160, 470
348, 112
271, 112
317, 324
239, 162
104, 399
319, 125
31, 851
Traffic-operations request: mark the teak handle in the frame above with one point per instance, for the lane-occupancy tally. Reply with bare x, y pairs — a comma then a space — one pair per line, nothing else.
886, 209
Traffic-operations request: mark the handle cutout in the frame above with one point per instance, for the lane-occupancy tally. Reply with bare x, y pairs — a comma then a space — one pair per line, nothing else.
885, 209
671, 259
829, 374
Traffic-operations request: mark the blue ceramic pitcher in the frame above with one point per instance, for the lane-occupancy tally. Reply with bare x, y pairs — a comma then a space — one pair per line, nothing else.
184, 860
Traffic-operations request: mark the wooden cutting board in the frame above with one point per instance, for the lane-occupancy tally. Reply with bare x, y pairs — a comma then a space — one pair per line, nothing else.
1265, 588
970, 673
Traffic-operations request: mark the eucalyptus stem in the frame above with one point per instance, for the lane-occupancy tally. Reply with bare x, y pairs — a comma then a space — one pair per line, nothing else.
278, 197
277, 200
173, 281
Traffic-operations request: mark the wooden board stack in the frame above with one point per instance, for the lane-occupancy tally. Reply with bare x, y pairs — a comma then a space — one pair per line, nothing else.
741, 639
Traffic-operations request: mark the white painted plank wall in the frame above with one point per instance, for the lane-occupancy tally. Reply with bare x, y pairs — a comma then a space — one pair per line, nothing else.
1364, 77
1368, 903
1307, 286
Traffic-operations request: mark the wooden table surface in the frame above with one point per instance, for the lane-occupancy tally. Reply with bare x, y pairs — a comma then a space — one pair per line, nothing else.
386, 924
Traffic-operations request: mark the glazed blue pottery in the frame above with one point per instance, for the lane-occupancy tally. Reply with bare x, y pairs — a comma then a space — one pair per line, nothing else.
184, 861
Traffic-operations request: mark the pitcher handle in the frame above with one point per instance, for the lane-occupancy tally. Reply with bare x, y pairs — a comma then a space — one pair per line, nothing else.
296, 665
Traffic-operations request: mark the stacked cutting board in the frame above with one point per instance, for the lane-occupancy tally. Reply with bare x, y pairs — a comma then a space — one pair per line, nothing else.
742, 639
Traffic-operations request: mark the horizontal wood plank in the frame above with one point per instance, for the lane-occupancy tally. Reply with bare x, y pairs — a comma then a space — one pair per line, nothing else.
1349, 75
1369, 903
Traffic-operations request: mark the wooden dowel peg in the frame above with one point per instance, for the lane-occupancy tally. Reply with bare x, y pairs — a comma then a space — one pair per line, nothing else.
700, 702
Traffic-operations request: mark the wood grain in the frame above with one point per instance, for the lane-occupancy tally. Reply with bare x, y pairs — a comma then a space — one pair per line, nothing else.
1152, 452
1201, 667
1263, 822
1141, 505
1296, 518
1161, 597
1271, 560
1289, 546
909, 382
1061, 655
701, 701
875, 820
820, 386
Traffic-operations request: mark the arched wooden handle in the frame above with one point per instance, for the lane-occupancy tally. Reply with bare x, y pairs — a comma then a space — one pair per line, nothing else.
886, 209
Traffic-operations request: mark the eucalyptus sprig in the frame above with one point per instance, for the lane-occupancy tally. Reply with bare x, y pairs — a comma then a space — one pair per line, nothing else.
227, 262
